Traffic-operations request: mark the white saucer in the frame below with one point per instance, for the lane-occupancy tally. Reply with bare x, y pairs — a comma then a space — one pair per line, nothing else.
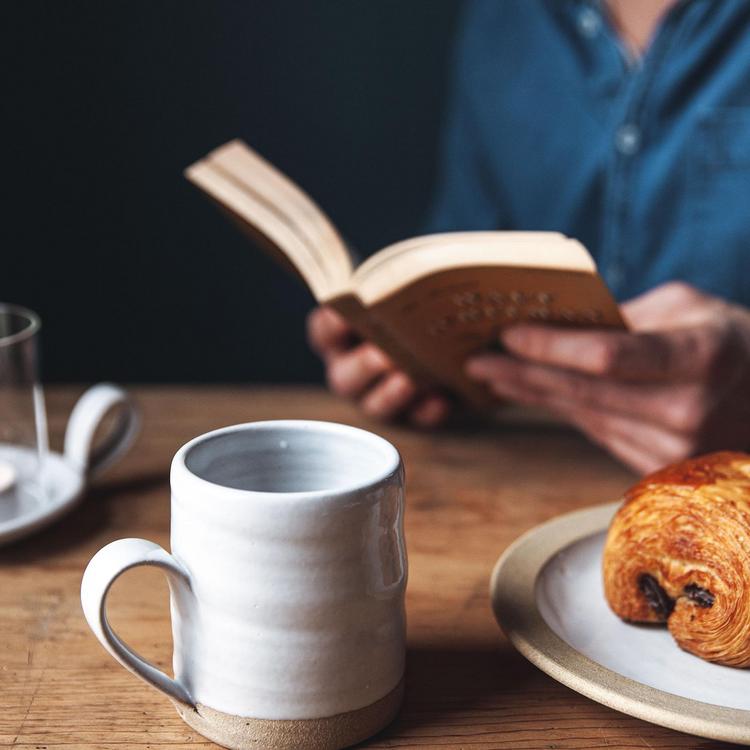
23, 511
547, 596
28, 505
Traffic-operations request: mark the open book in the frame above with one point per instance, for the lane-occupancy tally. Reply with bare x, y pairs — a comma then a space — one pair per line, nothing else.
429, 302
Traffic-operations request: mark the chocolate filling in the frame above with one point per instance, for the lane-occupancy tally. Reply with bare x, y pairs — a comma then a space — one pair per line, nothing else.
702, 597
655, 595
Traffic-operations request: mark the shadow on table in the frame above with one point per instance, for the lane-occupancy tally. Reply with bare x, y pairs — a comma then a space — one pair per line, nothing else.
444, 682
451, 690
507, 418
90, 516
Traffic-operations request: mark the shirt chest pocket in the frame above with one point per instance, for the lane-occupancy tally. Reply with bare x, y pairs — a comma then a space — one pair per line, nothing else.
725, 135
719, 204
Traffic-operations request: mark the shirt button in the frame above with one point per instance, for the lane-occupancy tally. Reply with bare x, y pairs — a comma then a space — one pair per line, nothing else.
589, 22
628, 139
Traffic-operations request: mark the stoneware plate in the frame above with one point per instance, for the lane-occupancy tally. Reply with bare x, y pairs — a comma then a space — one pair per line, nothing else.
548, 598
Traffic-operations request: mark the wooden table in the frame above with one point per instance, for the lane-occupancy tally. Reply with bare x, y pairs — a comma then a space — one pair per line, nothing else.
470, 492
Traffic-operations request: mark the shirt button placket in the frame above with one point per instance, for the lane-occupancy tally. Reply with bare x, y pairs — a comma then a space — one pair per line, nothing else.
589, 22
628, 139
627, 142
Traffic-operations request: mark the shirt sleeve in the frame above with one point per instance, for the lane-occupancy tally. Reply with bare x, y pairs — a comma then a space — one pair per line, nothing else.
465, 195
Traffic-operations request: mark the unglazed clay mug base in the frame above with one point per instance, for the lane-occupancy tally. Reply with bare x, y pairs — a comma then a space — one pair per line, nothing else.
287, 579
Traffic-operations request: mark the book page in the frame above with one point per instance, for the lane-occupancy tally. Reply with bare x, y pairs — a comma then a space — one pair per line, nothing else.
272, 206
405, 262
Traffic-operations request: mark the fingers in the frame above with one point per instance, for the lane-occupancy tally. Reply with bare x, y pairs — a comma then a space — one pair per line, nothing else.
680, 333
364, 372
651, 397
670, 305
396, 393
351, 373
680, 354
642, 443
328, 333
430, 410
367, 374
642, 446
388, 398
680, 407
634, 458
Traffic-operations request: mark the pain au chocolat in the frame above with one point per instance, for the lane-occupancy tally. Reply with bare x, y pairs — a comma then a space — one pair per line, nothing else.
678, 552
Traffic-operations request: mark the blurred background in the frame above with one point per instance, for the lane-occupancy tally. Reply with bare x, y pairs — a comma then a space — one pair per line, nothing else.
136, 276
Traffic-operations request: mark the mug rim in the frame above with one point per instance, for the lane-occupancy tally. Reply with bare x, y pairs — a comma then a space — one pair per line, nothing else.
180, 473
35, 323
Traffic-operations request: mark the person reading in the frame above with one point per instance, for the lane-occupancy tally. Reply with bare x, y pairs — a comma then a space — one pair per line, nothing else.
624, 124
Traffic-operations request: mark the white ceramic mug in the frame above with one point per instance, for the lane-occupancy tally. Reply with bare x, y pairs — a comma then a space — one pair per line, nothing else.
287, 580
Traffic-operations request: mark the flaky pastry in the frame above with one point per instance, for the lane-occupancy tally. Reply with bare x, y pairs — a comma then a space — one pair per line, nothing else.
678, 551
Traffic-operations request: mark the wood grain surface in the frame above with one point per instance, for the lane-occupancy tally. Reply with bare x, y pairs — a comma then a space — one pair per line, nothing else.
471, 490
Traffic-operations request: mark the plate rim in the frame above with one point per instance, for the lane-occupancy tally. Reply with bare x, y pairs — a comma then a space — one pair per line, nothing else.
58, 505
512, 594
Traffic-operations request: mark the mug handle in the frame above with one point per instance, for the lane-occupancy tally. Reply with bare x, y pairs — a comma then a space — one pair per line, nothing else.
84, 420
105, 567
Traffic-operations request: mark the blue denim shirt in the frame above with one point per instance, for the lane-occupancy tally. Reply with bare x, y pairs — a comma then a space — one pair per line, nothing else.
552, 126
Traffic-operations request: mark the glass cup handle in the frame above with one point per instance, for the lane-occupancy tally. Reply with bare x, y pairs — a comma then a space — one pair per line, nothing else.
84, 420
105, 567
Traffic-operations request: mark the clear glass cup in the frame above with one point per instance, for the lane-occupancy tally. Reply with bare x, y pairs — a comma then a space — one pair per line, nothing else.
23, 422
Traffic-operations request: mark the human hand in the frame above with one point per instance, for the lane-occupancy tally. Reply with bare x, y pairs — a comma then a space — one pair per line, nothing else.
363, 372
678, 384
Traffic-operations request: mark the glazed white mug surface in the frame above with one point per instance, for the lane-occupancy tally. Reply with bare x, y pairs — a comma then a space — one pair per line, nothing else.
287, 578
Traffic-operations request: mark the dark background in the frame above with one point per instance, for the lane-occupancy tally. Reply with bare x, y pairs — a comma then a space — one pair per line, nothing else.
136, 276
